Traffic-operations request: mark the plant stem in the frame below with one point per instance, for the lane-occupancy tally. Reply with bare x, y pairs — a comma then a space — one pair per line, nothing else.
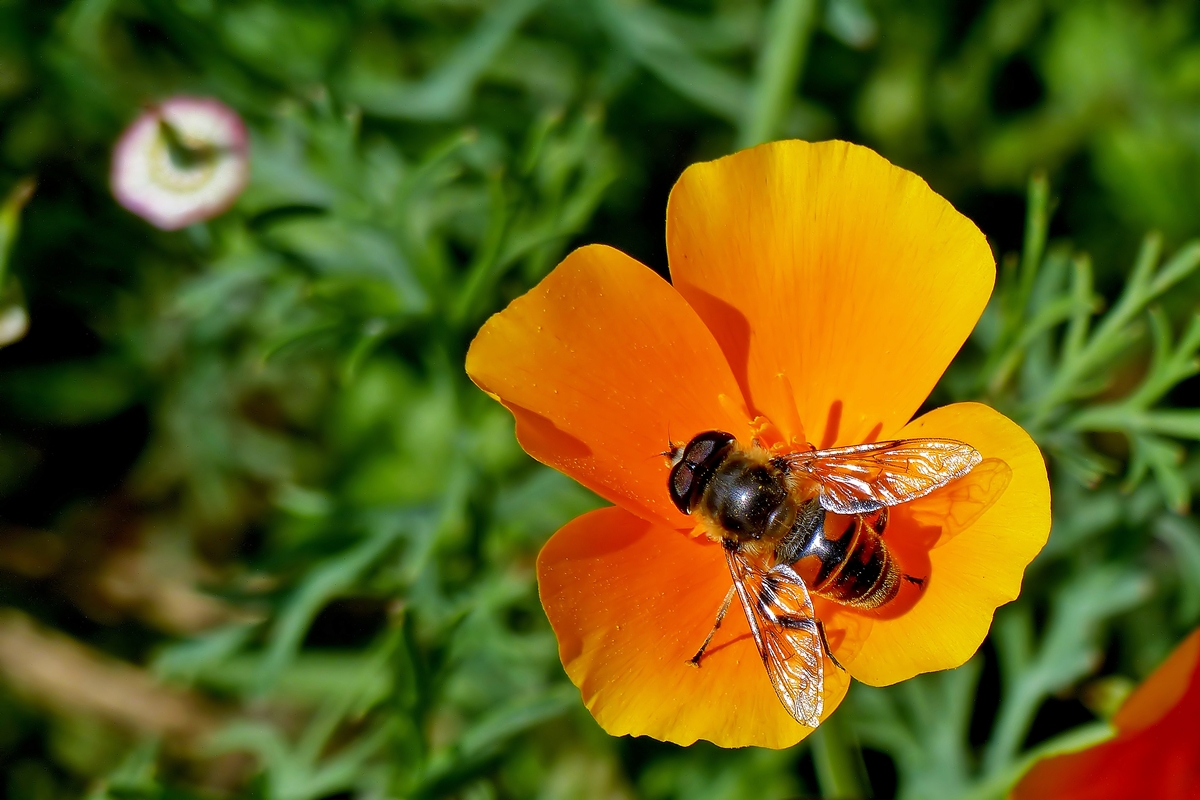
487, 257
841, 774
789, 26
1017, 282
1037, 223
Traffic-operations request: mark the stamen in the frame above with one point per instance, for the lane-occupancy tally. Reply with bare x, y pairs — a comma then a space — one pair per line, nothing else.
735, 410
767, 434
791, 424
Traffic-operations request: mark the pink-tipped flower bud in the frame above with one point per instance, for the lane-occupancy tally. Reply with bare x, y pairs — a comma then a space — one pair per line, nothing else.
14, 324
182, 161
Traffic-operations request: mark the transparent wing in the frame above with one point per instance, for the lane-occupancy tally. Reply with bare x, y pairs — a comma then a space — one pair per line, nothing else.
867, 477
784, 627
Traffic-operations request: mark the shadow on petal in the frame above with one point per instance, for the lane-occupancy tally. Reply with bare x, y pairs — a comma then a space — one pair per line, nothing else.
630, 603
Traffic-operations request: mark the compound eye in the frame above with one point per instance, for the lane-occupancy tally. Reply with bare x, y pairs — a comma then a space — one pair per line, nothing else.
683, 477
703, 445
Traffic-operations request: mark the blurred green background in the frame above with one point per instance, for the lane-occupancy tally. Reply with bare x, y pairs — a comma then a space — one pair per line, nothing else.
261, 538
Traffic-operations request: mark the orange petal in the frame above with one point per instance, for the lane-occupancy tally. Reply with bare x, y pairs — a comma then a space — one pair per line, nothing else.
1165, 766
973, 571
630, 603
1156, 752
1163, 690
826, 264
599, 363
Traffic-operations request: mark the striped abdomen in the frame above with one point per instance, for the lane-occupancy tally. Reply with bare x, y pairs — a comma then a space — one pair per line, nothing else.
849, 564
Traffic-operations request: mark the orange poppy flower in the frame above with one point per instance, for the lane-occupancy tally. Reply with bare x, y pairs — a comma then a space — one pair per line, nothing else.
1156, 750
817, 294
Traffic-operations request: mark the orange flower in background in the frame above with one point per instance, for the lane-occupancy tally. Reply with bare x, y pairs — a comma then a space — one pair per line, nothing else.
818, 292
1156, 750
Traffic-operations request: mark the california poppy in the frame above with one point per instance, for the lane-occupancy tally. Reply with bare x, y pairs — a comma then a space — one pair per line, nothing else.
817, 294
1156, 750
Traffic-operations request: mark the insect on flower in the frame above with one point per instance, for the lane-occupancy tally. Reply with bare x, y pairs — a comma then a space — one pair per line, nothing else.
817, 293
769, 514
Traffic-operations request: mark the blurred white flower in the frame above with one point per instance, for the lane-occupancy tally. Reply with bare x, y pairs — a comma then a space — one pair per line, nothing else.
14, 324
182, 161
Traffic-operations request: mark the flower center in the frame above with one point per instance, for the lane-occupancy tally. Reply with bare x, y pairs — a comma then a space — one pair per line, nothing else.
181, 163
768, 435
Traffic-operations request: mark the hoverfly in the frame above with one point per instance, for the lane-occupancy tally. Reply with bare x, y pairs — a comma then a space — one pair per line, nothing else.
769, 513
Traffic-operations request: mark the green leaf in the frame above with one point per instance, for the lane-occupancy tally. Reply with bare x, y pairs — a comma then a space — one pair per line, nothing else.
1182, 536
319, 586
71, 393
10, 221
444, 92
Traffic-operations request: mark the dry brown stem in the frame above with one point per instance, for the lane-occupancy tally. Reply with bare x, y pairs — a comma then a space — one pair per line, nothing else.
55, 672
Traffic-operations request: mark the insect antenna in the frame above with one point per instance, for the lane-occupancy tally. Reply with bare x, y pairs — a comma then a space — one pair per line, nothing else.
674, 451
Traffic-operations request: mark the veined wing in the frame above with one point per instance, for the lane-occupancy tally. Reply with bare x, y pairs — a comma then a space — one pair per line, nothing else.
866, 477
784, 627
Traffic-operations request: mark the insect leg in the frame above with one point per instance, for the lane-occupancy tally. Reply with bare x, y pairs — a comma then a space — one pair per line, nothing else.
878, 521
813, 624
825, 644
695, 660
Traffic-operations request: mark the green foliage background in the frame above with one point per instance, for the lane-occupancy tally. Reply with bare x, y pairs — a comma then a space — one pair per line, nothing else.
276, 544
